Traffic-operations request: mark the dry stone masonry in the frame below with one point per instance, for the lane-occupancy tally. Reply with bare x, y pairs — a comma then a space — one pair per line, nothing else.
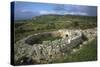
45, 52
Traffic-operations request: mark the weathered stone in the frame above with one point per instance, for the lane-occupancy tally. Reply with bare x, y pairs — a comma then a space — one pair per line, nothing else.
48, 50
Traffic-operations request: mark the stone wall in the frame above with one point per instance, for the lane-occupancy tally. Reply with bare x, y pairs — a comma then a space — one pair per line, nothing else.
49, 50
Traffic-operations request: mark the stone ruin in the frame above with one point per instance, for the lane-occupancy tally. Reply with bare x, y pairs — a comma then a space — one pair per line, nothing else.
47, 51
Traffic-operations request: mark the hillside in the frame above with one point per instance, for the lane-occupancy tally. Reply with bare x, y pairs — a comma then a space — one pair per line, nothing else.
55, 39
52, 22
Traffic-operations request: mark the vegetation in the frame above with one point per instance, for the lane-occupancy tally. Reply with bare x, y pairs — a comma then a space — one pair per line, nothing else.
44, 23
87, 53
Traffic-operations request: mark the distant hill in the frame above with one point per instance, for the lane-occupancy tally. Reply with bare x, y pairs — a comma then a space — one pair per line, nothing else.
53, 16
50, 22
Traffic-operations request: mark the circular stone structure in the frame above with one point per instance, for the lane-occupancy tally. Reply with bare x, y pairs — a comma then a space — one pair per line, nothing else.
39, 38
47, 46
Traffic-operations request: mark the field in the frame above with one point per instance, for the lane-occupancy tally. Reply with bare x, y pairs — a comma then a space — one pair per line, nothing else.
48, 23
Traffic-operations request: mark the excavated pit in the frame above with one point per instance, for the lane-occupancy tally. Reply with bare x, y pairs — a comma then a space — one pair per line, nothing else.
39, 38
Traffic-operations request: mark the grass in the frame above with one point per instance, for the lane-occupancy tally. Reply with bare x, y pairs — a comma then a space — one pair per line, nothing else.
24, 28
87, 53
47, 23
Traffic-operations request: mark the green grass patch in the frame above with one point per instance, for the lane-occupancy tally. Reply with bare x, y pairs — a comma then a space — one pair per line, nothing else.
47, 23
87, 53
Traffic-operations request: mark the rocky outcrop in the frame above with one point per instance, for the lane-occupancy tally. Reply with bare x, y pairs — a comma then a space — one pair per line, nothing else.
47, 51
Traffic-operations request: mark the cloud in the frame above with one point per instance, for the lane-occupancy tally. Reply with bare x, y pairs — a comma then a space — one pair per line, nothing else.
24, 10
62, 12
47, 12
77, 13
25, 14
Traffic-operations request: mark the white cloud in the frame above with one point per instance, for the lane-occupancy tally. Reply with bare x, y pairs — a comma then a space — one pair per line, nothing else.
77, 13
24, 10
62, 12
48, 12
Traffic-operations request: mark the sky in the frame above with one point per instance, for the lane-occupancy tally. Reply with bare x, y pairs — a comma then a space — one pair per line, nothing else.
27, 10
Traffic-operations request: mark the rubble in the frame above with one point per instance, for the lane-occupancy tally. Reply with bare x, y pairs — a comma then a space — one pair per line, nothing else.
47, 51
